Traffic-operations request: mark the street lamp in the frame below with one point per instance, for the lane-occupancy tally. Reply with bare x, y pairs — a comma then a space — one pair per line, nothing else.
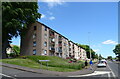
89, 43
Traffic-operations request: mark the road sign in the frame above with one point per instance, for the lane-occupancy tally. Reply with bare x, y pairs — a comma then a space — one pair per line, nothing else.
44, 61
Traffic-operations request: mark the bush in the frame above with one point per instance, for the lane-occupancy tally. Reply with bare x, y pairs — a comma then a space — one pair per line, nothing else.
12, 55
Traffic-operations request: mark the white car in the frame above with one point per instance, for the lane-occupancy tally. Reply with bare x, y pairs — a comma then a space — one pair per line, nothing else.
102, 63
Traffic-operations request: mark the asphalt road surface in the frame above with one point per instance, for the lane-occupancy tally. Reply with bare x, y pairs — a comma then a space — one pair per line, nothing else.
14, 73
110, 72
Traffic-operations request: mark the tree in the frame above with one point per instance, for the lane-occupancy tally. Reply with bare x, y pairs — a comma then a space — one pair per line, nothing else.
16, 16
100, 57
88, 49
16, 50
117, 51
109, 57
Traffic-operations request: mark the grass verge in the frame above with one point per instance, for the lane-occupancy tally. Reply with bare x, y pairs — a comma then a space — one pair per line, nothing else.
55, 64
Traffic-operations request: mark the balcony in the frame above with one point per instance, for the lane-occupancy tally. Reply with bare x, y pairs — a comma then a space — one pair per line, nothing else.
60, 51
60, 45
52, 49
52, 43
60, 39
52, 36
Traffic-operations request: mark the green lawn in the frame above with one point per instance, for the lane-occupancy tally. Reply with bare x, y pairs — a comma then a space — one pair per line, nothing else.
55, 64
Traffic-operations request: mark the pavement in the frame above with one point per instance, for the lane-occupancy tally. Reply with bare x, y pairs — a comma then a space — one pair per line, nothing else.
55, 73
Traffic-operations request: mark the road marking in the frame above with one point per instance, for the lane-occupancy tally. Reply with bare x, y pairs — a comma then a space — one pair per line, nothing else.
7, 76
95, 73
109, 75
111, 71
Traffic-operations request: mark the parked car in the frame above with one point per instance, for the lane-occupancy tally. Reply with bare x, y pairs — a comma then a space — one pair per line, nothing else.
102, 63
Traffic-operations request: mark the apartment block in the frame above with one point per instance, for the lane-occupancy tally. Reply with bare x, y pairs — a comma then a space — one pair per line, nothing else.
42, 40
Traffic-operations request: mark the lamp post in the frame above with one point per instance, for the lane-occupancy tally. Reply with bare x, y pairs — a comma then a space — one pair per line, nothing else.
89, 43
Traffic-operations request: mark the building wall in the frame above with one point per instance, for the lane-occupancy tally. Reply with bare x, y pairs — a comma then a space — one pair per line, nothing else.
70, 49
45, 41
56, 44
27, 40
76, 51
65, 48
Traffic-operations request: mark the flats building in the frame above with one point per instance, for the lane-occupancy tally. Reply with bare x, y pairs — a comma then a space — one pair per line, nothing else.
42, 40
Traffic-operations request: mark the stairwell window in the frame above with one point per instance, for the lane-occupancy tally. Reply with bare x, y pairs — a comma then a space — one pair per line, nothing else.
35, 27
34, 43
45, 28
34, 35
34, 52
45, 44
45, 35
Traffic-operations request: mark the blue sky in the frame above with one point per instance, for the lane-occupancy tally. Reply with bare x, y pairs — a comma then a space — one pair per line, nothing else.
75, 19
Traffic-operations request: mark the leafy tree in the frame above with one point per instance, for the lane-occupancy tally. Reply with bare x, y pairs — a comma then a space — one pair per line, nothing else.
117, 51
100, 57
16, 50
109, 57
96, 56
88, 49
16, 16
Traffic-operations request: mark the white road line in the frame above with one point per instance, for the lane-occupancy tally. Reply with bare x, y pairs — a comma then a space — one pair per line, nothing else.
93, 74
109, 75
7, 76
111, 71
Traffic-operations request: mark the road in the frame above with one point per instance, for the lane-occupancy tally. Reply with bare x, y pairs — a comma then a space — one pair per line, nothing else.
110, 71
14, 73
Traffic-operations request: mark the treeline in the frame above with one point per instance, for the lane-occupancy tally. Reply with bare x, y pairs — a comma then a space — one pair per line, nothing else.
88, 49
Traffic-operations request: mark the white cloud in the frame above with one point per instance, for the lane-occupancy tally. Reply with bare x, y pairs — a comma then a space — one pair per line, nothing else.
51, 18
43, 16
109, 42
50, 13
96, 50
52, 3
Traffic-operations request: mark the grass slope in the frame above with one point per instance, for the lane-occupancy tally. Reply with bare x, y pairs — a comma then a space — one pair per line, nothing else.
55, 64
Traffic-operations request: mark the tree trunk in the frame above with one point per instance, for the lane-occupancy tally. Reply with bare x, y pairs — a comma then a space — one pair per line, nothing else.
21, 45
5, 44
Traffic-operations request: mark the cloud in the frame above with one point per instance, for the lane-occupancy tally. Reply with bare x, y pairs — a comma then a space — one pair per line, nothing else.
96, 50
43, 16
51, 18
110, 42
50, 13
52, 3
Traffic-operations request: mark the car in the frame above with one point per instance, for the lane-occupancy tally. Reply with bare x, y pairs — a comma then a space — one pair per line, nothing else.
102, 63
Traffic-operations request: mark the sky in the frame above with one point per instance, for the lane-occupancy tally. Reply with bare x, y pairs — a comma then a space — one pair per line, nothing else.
88, 23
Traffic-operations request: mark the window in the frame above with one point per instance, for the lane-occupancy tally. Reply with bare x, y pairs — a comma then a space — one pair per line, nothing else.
35, 28
56, 36
53, 39
45, 35
64, 44
34, 43
34, 35
56, 49
45, 28
45, 44
34, 52
44, 52
69, 49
